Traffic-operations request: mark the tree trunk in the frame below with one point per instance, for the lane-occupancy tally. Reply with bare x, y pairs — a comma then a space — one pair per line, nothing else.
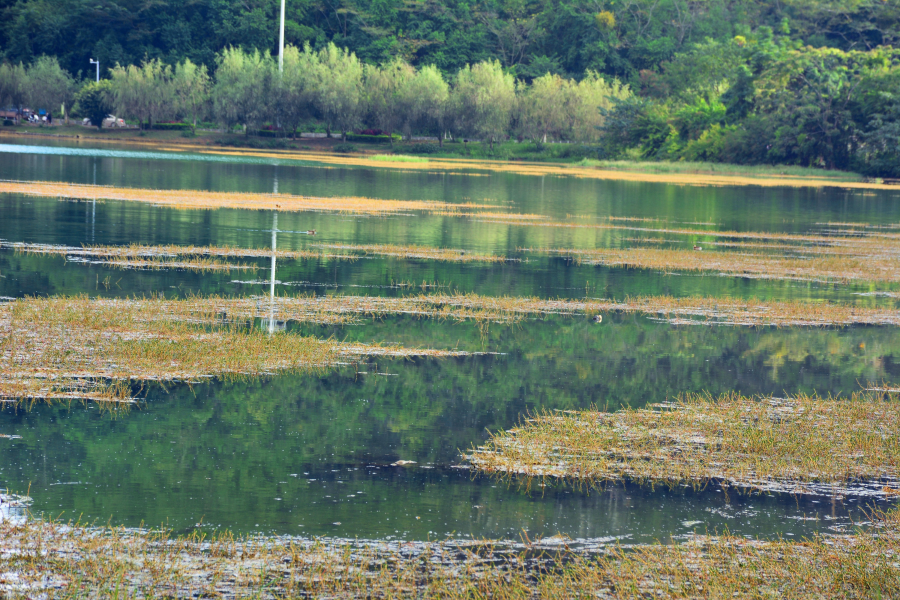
343, 136
391, 138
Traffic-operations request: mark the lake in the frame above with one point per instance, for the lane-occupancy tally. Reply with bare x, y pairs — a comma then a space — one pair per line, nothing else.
311, 455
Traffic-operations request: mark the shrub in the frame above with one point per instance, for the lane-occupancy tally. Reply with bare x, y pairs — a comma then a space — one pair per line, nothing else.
344, 148
423, 149
8, 123
171, 126
372, 139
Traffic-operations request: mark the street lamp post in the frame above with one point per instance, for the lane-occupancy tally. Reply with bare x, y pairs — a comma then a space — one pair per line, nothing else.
96, 62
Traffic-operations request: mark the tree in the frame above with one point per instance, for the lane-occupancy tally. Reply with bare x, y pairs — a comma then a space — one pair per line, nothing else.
13, 85
191, 87
340, 89
386, 87
144, 92
243, 87
542, 108
483, 99
49, 86
296, 87
585, 103
95, 101
426, 96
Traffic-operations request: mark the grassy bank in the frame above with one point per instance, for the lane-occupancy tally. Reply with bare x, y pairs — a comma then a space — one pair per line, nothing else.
68, 561
803, 444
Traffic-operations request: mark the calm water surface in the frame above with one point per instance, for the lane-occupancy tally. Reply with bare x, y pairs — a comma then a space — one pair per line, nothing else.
311, 455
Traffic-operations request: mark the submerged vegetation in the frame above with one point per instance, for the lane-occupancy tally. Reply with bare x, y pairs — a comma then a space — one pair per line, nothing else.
56, 558
803, 444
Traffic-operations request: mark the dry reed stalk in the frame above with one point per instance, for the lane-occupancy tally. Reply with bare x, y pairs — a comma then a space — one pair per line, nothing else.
73, 560
803, 444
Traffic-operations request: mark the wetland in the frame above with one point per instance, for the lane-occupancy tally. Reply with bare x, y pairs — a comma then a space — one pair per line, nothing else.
446, 381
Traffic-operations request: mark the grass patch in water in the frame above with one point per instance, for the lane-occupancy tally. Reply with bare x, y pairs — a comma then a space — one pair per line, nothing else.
78, 348
398, 158
803, 444
72, 560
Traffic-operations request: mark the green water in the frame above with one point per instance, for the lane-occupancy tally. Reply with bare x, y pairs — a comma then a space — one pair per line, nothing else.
311, 455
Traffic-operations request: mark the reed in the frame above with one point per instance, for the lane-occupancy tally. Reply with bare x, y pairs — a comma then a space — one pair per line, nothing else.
68, 560
804, 444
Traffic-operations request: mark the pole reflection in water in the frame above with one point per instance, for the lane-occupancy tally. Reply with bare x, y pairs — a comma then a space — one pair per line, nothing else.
272, 278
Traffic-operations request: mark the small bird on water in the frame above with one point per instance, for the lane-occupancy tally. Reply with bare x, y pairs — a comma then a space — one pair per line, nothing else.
697, 248
598, 319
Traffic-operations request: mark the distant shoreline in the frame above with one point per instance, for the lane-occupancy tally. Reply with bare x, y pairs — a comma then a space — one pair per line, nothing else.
322, 150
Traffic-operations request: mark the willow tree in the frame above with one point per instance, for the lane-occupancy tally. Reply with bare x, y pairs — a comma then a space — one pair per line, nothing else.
542, 108
143, 92
13, 85
483, 99
191, 86
426, 96
585, 104
339, 87
295, 88
49, 85
244, 82
387, 97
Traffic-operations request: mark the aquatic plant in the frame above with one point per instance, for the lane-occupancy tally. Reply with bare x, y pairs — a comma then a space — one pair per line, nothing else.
72, 559
802, 444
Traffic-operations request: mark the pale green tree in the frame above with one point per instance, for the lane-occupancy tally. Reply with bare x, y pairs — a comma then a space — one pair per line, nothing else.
483, 99
295, 88
191, 87
542, 108
339, 86
13, 85
144, 92
242, 93
387, 97
583, 104
49, 86
426, 96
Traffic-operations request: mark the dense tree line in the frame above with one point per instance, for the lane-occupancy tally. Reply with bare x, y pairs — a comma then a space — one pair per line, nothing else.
809, 82
331, 86
616, 38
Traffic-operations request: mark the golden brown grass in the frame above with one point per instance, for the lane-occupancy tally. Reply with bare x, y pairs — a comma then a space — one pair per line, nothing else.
69, 561
418, 252
803, 444
825, 268
73, 348
196, 199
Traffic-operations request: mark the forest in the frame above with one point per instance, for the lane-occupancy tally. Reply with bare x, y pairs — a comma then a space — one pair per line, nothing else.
798, 82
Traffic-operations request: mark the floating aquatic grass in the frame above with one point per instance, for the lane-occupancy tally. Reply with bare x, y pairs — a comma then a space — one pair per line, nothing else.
71, 348
825, 268
72, 560
803, 444
197, 199
418, 252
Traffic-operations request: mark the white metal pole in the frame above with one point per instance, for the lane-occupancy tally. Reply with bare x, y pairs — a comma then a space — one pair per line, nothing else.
281, 41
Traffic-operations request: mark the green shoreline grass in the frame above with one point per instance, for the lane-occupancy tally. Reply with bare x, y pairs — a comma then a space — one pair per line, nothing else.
803, 444
72, 560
